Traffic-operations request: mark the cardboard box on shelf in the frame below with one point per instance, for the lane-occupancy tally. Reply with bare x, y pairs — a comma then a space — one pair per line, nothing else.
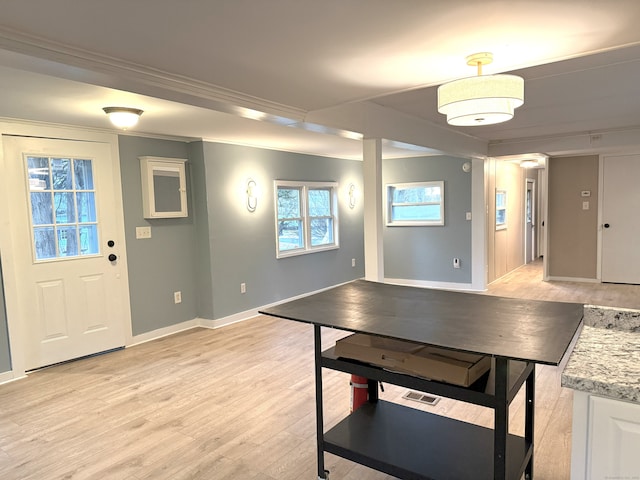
433, 363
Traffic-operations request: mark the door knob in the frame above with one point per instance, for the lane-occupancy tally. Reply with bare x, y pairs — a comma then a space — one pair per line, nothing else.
112, 257
606, 225
111, 243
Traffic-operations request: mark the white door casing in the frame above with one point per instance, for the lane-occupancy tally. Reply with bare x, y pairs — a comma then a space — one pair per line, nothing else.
69, 307
620, 225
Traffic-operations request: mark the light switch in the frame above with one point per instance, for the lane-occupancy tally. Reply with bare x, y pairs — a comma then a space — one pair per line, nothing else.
143, 232
585, 205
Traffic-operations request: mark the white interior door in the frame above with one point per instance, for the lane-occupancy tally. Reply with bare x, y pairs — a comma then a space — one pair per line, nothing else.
66, 247
530, 223
620, 219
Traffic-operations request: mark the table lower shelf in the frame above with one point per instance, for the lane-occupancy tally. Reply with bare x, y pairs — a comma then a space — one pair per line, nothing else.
412, 444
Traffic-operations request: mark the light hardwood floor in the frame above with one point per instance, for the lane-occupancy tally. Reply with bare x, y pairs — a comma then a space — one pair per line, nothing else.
234, 403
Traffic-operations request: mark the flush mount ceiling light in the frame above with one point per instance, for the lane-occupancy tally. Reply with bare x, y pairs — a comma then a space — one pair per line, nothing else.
123, 117
529, 163
481, 100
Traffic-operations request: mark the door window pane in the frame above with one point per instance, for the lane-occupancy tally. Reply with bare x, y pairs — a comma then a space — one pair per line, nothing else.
88, 239
41, 209
45, 243
63, 207
67, 241
39, 177
84, 174
86, 207
61, 170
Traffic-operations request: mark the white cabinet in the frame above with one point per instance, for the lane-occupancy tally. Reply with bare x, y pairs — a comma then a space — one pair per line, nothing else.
606, 438
164, 187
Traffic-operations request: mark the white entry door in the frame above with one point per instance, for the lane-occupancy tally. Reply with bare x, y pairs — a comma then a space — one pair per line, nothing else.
65, 248
620, 219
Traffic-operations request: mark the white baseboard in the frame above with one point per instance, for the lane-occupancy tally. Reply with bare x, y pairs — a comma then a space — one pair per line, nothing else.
216, 323
466, 287
224, 321
163, 332
254, 312
6, 377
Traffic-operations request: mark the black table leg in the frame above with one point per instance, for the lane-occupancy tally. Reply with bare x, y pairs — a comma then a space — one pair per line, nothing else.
529, 416
317, 340
501, 419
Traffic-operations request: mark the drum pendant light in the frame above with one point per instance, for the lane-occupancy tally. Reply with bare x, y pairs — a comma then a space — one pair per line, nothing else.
480, 100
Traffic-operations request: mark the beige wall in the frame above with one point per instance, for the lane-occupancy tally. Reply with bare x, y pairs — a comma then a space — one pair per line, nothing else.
506, 247
572, 231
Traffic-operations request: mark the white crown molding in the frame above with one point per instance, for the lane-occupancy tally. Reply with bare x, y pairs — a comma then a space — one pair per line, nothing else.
121, 73
573, 143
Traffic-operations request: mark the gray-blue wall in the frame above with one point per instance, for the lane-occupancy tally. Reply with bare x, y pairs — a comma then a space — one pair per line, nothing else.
221, 244
242, 243
5, 357
166, 262
198, 195
426, 253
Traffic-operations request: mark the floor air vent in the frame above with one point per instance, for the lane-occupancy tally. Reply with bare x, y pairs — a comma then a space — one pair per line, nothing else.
421, 397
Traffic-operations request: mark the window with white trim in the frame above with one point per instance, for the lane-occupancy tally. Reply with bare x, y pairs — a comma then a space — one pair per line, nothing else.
418, 203
501, 209
306, 217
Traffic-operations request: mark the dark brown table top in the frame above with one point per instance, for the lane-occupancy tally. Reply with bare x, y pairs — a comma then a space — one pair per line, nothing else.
529, 330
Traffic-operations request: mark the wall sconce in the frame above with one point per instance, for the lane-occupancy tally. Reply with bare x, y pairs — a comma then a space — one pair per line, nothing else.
352, 195
252, 195
123, 117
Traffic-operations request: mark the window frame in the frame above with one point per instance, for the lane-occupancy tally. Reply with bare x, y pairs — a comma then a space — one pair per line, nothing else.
306, 218
419, 222
501, 225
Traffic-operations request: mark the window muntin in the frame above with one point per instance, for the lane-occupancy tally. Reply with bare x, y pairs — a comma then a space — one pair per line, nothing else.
62, 200
306, 217
418, 203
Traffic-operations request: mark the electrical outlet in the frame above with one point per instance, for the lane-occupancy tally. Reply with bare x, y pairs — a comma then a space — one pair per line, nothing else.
243, 287
456, 263
177, 297
353, 262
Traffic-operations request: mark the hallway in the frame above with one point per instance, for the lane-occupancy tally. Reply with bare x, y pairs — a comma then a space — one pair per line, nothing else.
526, 282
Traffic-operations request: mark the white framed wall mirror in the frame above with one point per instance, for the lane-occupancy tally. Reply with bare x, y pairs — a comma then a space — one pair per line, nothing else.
164, 187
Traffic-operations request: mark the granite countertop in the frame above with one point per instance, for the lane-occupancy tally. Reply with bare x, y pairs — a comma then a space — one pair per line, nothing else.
606, 358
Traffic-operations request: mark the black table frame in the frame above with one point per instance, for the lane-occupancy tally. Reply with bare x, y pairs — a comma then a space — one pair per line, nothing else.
488, 453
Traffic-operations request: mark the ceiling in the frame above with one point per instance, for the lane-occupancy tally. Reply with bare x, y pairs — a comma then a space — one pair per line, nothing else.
314, 77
